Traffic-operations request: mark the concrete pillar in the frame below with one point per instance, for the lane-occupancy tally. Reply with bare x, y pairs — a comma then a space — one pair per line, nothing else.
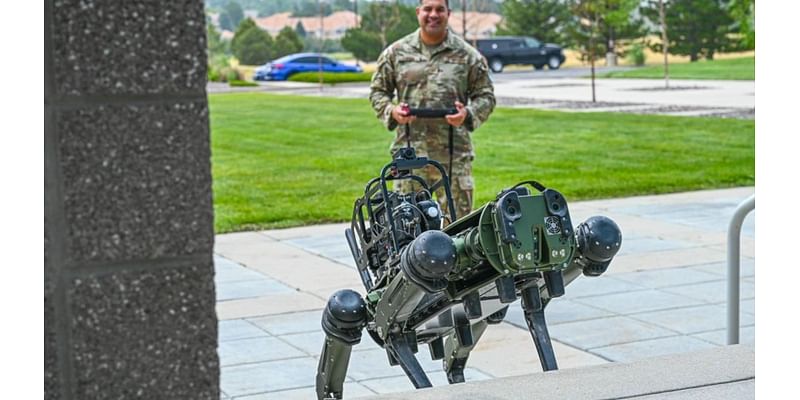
129, 291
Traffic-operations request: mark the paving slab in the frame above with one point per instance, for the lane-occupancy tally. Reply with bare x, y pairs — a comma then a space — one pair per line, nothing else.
253, 350
559, 311
667, 277
605, 332
256, 287
246, 379
747, 336
401, 383
351, 390
638, 301
236, 329
712, 292
288, 323
268, 305
696, 319
651, 348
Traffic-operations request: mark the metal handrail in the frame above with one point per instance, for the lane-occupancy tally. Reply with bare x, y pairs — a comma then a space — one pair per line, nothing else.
734, 264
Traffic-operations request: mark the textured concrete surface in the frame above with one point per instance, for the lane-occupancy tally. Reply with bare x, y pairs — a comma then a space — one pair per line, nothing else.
128, 47
727, 371
663, 295
129, 277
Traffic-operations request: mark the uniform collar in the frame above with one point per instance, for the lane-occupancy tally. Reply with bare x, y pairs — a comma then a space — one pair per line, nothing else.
449, 40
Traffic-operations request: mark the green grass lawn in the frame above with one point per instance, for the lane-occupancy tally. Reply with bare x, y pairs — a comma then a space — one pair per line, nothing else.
281, 161
731, 69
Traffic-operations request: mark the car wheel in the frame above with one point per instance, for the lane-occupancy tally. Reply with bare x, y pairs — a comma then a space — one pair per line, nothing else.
538, 66
496, 65
553, 62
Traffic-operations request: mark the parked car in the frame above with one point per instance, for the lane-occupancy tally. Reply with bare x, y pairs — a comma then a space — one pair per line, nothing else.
282, 68
504, 50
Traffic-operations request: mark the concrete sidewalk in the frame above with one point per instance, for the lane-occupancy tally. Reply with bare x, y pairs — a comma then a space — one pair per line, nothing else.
713, 98
664, 294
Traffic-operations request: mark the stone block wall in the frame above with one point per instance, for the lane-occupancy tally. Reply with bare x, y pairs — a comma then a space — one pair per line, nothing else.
129, 292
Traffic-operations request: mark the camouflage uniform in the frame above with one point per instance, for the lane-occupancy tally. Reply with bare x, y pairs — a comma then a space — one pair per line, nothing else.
435, 77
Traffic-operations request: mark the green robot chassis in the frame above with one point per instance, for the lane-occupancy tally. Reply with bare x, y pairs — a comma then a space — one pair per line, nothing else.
444, 287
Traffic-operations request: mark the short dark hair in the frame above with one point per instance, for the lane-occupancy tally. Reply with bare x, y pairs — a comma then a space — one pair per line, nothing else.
446, 3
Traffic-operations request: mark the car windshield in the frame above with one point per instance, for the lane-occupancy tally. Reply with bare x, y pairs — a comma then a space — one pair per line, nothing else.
285, 59
531, 42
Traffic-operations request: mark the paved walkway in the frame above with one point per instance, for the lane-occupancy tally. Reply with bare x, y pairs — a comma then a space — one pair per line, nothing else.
725, 99
664, 294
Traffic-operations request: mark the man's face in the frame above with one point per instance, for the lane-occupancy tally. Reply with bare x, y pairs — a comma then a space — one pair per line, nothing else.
432, 16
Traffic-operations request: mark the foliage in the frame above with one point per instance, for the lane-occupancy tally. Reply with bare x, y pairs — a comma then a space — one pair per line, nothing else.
545, 20
743, 13
636, 54
215, 43
310, 8
287, 42
300, 29
604, 23
240, 83
251, 45
331, 77
743, 68
696, 28
220, 69
585, 29
231, 16
381, 24
274, 166
313, 44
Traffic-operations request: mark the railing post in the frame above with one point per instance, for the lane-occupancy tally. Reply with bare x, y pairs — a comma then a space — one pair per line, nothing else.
734, 264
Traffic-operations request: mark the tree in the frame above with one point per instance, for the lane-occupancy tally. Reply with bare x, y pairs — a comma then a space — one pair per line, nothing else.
545, 20
287, 42
697, 28
743, 13
300, 29
215, 43
586, 30
381, 25
251, 45
310, 8
231, 16
613, 24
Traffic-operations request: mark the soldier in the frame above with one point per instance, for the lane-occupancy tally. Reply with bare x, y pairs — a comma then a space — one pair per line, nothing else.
434, 68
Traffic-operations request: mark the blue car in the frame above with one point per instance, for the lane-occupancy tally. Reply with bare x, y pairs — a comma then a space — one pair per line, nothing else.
282, 68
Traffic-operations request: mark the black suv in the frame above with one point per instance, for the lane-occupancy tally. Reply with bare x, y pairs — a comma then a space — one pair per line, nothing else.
503, 50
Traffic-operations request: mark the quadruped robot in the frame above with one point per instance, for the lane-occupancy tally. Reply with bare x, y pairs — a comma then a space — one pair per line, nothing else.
443, 287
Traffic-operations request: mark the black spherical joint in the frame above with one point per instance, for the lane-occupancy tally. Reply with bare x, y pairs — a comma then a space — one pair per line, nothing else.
345, 316
599, 240
428, 259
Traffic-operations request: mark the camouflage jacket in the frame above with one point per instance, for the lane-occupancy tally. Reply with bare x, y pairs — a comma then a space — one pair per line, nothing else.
454, 71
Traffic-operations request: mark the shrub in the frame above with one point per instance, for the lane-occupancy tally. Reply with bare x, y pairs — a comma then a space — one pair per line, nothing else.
331, 77
238, 83
636, 55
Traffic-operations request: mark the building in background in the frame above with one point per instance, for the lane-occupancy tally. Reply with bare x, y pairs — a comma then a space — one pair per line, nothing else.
334, 25
479, 25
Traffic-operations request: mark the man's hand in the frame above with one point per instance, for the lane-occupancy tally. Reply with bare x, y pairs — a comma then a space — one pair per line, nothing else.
458, 118
400, 114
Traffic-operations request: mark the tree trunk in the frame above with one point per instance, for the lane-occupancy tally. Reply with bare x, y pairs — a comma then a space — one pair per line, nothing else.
664, 40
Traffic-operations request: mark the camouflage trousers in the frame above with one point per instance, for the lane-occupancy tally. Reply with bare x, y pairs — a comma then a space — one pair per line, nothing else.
461, 185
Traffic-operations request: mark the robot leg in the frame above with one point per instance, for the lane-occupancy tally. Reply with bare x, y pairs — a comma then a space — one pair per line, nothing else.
343, 319
533, 309
459, 344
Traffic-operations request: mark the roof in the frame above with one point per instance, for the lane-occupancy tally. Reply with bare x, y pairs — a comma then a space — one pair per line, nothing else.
479, 25
340, 20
